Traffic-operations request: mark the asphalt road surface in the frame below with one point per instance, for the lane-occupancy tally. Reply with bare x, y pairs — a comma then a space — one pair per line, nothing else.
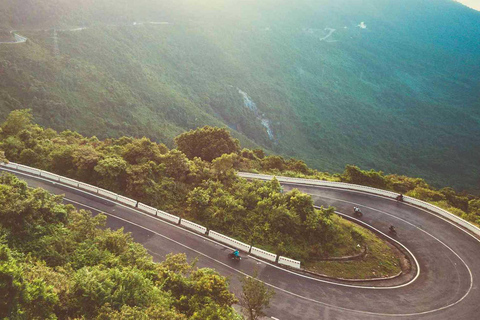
446, 286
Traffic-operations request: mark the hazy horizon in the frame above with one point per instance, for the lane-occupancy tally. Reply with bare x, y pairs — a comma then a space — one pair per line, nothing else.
474, 4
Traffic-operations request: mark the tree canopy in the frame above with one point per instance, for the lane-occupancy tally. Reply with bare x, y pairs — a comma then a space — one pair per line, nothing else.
207, 143
56, 262
210, 193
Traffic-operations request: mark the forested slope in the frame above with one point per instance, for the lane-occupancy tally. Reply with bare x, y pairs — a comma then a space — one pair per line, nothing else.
202, 187
383, 84
197, 181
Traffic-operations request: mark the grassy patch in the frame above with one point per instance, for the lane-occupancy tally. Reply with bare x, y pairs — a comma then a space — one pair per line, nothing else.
380, 261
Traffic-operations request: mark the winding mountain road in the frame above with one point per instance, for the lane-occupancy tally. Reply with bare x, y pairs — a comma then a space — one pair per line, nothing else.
446, 286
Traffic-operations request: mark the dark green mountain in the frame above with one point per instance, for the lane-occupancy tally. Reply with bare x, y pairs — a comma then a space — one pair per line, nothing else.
384, 84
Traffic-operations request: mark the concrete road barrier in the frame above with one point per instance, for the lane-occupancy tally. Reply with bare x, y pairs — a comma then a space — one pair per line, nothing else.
147, 209
28, 169
70, 182
167, 216
289, 262
263, 254
230, 241
10, 165
87, 187
107, 194
127, 201
193, 226
49, 175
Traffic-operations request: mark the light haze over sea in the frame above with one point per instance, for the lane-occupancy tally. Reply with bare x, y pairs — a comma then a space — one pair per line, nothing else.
474, 4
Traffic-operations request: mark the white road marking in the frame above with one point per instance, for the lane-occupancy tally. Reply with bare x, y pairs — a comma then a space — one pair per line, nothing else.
286, 291
268, 284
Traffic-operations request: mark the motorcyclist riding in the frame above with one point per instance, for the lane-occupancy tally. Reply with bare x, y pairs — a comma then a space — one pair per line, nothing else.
235, 255
400, 197
357, 211
392, 229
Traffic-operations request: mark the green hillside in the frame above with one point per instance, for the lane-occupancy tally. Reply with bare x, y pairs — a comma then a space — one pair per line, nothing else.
398, 92
197, 181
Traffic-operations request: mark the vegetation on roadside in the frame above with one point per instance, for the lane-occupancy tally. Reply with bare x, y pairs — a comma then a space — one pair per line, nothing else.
379, 262
208, 192
60, 263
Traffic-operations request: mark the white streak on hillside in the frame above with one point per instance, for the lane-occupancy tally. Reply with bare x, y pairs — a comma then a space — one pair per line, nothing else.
266, 123
248, 102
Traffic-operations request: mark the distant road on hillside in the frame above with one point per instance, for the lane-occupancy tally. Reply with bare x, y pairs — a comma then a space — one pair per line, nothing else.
18, 39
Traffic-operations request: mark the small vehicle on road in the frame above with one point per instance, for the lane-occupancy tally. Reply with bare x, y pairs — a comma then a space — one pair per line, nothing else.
399, 197
357, 212
392, 230
235, 255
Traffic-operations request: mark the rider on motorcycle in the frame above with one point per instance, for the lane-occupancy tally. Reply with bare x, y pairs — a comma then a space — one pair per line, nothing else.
400, 197
392, 229
236, 253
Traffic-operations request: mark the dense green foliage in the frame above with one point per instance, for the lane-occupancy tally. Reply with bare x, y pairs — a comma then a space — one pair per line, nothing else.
400, 95
207, 192
56, 262
207, 143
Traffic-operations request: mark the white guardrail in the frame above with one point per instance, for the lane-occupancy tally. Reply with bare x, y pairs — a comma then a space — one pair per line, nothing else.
230, 241
289, 262
155, 212
422, 204
69, 182
193, 226
49, 175
254, 251
167, 216
87, 187
147, 209
127, 201
107, 194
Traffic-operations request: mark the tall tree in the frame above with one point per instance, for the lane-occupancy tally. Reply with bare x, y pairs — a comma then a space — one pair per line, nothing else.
207, 143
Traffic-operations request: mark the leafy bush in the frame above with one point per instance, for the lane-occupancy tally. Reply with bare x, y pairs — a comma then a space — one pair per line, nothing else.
56, 262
